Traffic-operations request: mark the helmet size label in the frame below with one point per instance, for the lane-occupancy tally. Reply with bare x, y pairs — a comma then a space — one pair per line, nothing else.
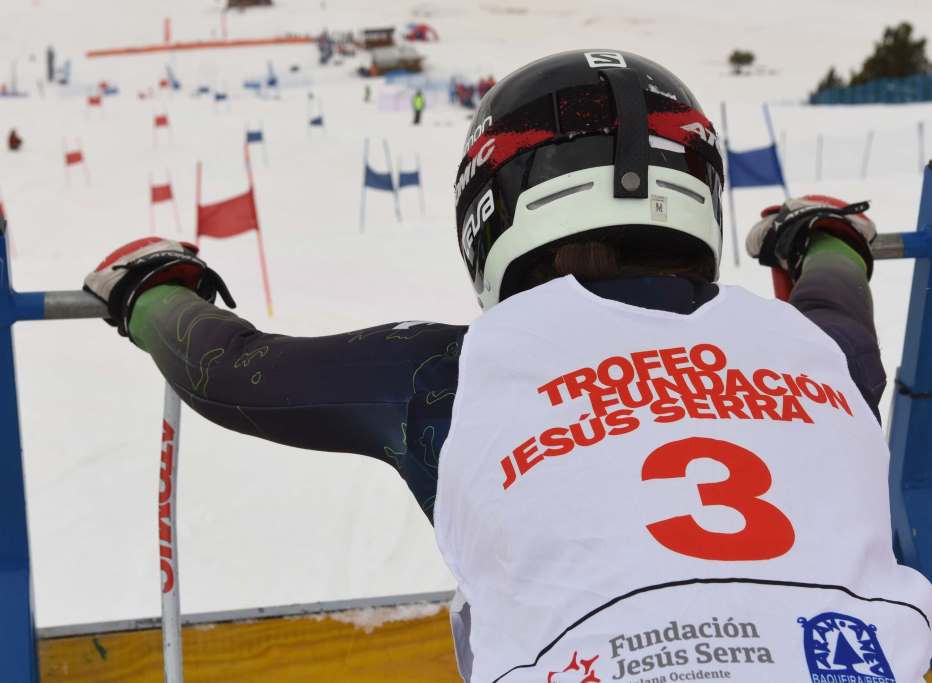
658, 208
601, 60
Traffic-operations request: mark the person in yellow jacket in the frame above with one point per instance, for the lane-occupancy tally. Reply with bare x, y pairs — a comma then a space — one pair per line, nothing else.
417, 103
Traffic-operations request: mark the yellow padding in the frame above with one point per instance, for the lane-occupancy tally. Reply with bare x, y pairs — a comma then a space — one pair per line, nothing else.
279, 650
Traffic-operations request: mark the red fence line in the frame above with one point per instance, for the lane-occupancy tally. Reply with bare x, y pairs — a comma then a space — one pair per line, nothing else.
200, 45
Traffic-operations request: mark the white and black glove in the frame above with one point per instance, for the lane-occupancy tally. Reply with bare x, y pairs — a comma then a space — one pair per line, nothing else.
781, 238
135, 267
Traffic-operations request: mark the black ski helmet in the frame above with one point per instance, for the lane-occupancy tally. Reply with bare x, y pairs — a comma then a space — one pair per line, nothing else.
545, 160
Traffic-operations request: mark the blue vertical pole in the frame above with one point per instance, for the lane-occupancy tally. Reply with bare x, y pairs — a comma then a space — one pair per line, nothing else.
18, 660
911, 420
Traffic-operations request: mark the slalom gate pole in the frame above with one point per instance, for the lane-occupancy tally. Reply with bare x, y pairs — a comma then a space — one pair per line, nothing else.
773, 141
362, 201
174, 202
263, 264
388, 165
420, 183
731, 198
168, 538
151, 208
265, 154
197, 204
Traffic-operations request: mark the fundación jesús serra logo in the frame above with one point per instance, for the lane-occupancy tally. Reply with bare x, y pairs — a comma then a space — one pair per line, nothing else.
840, 649
579, 670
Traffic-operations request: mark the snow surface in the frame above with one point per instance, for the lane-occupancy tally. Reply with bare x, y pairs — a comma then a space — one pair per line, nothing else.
262, 524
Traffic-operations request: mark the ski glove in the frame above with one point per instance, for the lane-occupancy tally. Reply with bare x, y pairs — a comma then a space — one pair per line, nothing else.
135, 267
781, 238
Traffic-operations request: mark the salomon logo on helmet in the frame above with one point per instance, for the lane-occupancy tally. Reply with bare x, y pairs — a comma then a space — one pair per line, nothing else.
474, 222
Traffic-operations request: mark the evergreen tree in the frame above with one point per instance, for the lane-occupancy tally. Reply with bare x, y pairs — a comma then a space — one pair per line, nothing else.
739, 59
897, 54
829, 81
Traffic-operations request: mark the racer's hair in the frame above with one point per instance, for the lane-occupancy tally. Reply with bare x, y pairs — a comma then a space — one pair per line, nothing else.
639, 252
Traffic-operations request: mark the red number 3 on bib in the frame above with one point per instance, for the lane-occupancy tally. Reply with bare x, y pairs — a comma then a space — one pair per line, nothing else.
767, 533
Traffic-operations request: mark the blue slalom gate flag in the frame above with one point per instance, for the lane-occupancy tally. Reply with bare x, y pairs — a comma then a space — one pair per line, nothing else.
317, 121
379, 181
220, 96
253, 136
755, 168
409, 178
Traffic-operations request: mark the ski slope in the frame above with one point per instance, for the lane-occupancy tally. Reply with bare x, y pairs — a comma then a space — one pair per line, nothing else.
262, 524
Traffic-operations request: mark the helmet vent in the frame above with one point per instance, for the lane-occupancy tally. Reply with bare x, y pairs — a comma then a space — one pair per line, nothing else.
682, 190
537, 203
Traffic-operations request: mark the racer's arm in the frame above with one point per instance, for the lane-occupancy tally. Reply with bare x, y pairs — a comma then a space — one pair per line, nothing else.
352, 392
833, 292
347, 392
822, 243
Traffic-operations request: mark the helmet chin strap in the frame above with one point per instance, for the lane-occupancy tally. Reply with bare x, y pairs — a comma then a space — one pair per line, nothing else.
632, 141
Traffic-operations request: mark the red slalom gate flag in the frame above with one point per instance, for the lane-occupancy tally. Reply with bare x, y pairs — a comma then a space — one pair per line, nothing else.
94, 100
229, 217
161, 120
161, 193
234, 216
72, 158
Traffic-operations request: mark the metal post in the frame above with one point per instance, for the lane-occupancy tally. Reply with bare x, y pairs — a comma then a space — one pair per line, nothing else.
17, 623
911, 418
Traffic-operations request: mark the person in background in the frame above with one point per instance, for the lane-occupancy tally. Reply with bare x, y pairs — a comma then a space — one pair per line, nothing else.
14, 141
418, 103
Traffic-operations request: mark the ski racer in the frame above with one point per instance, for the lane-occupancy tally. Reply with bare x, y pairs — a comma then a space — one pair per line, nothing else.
634, 473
